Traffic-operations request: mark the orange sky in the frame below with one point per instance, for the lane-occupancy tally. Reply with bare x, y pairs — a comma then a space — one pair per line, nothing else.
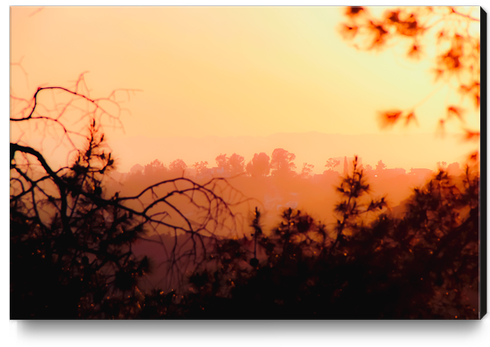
226, 71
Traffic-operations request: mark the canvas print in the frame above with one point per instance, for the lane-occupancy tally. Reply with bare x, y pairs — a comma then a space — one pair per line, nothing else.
245, 162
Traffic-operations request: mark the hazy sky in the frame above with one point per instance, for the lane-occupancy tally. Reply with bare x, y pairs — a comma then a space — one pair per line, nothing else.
224, 71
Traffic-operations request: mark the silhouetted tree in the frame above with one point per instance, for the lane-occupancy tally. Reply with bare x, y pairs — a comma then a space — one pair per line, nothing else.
331, 164
237, 164
380, 166
71, 248
72, 243
307, 170
136, 168
259, 166
154, 171
223, 163
350, 208
282, 164
200, 167
178, 166
233, 165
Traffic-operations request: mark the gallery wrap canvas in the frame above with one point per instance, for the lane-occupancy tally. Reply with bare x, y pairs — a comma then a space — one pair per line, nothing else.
247, 162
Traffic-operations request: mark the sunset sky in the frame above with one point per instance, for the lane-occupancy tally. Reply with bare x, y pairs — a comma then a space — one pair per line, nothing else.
232, 71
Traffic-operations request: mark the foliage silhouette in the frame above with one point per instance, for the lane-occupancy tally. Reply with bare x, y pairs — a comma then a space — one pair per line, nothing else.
282, 164
201, 167
408, 266
447, 205
331, 164
380, 166
307, 170
233, 165
259, 166
237, 164
449, 29
423, 265
72, 249
72, 243
177, 167
154, 171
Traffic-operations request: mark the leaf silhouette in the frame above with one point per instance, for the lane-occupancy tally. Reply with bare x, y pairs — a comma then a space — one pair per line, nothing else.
389, 118
455, 111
